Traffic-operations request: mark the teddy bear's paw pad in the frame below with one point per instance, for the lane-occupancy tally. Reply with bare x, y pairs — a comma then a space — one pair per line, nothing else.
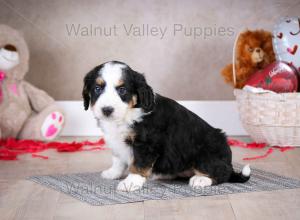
52, 125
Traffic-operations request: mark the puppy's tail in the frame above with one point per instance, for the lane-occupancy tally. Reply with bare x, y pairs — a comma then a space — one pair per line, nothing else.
241, 177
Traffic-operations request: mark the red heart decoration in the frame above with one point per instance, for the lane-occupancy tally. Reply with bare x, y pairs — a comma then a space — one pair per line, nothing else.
278, 77
292, 50
280, 35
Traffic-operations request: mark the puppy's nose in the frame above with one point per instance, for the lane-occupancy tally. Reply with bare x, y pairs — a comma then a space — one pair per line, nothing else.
107, 111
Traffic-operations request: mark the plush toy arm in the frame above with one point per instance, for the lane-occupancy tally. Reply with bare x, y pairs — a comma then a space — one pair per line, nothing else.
39, 99
227, 74
242, 75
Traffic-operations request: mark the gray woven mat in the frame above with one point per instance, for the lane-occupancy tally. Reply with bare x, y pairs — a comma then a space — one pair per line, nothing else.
91, 188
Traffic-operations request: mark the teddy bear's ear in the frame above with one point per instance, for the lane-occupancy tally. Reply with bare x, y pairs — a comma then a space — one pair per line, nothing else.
13, 40
241, 59
265, 35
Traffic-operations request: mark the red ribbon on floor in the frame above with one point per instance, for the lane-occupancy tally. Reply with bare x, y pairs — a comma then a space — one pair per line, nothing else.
10, 148
254, 145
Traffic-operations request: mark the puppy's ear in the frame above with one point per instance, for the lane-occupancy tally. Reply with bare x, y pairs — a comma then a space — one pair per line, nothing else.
87, 85
86, 98
145, 95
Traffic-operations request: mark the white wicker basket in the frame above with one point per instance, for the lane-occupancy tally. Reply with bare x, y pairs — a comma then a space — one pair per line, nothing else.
270, 118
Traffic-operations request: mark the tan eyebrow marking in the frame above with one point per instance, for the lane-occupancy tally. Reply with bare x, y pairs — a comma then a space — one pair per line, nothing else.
133, 101
120, 83
100, 81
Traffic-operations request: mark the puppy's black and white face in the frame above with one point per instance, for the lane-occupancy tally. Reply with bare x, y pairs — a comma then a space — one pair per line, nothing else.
113, 89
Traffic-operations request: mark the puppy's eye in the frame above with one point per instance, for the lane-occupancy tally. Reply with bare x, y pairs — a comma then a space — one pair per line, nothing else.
250, 49
122, 90
98, 90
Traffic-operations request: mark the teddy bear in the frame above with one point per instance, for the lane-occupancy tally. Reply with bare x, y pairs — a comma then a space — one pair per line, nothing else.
253, 52
26, 112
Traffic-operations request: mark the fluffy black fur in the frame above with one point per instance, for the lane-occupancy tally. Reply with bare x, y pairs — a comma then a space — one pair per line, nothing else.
171, 139
174, 139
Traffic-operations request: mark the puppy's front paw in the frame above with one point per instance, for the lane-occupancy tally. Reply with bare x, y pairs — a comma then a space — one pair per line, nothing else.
198, 182
111, 174
131, 183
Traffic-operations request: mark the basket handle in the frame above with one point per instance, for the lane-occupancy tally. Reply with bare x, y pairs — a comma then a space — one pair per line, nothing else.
234, 58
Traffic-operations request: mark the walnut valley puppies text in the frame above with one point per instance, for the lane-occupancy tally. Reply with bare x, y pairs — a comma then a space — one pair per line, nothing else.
148, 30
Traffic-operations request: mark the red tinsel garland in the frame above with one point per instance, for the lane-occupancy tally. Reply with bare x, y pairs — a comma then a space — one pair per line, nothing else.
10, 148
253, 145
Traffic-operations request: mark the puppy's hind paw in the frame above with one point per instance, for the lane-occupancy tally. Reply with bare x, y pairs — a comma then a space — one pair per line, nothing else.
198, 182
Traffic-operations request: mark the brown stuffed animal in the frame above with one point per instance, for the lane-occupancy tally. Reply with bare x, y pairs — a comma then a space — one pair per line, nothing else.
25, 111
254, 51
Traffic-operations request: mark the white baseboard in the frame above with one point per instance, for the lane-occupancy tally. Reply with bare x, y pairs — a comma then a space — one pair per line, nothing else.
220, 114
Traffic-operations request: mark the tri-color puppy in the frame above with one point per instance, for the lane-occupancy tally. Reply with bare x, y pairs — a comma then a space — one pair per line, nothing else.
151, 135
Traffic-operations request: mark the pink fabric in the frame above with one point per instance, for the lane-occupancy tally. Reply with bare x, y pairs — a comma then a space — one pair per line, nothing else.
51, 131
14, 89
2, 77
53, 116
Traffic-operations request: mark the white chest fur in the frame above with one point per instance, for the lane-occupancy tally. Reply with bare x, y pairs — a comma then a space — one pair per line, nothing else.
115, 135
116, 132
